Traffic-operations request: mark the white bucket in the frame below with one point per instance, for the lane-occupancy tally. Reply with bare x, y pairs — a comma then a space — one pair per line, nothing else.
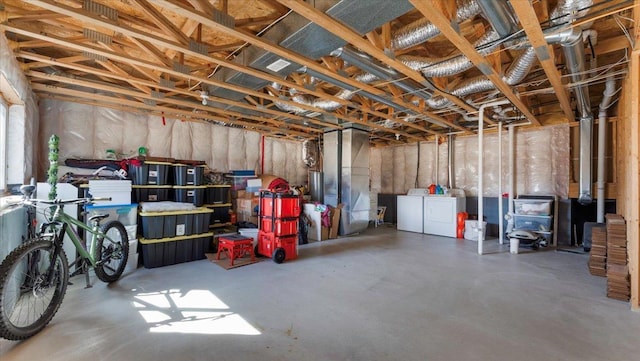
471, 230
514, 245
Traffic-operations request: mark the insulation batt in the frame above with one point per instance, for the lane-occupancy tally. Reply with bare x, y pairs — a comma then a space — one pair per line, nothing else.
87, 132
541, 161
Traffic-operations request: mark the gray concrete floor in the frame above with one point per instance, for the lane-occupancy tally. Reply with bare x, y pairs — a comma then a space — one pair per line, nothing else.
382, 295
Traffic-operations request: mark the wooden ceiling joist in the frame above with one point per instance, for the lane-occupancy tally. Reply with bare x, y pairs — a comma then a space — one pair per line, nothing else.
529, 21
444, 24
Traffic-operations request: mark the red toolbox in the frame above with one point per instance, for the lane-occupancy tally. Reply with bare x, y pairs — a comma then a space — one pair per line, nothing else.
279, 205
279, 226
279, 249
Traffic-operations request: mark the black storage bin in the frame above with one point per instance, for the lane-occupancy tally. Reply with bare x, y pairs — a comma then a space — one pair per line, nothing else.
155, 173
189, 194
188, 175
220, 215
218, 194
150, 193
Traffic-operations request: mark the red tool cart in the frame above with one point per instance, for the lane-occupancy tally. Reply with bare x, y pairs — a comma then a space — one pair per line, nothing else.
278, 225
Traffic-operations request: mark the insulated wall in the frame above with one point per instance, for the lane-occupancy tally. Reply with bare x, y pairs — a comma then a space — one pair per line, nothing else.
23, 118
541, 164
87, 132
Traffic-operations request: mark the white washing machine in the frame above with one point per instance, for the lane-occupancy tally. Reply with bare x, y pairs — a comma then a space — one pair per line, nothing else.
410, 208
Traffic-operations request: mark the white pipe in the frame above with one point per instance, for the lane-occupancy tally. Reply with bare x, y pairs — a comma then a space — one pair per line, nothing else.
437, 161
608, 94
512, 177
481, 170
500, 222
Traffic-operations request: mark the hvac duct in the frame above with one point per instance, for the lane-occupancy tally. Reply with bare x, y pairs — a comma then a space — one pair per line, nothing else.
422, 30
500, 16
346, 177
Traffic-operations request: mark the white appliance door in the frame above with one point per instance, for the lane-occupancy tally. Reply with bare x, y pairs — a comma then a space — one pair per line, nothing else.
440, 216
409, 213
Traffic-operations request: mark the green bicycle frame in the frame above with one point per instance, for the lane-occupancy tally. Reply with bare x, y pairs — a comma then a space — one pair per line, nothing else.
90, 255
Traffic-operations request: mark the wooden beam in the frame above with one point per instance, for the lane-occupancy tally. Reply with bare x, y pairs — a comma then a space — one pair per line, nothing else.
444, 24
161, 21
348, 34
632, 190
184, 92
179, 8
545, 53
185, 112
145, 64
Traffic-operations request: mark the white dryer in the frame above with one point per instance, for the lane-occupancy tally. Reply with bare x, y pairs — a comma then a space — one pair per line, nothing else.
410, 208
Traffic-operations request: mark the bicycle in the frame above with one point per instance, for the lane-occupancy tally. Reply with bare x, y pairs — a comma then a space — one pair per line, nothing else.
34, 276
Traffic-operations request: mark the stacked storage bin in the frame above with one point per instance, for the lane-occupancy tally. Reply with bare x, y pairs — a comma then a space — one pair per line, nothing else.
188, 184
172, 237
218, 200
278, 229
150, 181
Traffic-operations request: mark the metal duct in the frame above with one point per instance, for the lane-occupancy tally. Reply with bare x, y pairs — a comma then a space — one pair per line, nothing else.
500, 16
514, 75
422, 30
440, 67
299, 35
566, 11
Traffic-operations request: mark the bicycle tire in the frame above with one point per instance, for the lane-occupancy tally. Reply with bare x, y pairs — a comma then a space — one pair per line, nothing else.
111, 257
24, 292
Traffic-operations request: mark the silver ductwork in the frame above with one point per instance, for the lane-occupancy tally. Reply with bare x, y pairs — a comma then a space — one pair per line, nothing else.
566, 11
422, 30
440, 67
346, 177
516, 72
500, 16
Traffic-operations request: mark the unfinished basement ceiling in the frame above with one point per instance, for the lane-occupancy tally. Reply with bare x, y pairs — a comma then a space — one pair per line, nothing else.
404, 69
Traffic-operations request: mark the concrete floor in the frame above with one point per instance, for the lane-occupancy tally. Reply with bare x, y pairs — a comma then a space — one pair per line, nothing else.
383, 295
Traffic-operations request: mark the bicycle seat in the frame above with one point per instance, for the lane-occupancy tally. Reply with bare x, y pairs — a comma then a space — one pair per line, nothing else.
98, 217
27, 190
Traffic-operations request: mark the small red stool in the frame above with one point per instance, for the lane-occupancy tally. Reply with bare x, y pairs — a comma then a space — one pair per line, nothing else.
235, 246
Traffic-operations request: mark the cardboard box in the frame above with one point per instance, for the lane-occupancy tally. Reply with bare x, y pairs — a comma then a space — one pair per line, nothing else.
335, 221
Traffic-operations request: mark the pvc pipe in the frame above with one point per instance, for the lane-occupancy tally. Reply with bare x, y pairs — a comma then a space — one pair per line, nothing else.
450, 161
481, 170
437, 161
500, 221
511, 176
608, 94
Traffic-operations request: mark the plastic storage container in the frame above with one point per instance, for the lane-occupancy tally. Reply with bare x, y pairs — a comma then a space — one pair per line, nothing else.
168, 251
188, 175
220, 215
217, 194
532, 223
279, 205
150, 193
155, 173
533, 207
279, 226
125, 213
156, 225
187, 194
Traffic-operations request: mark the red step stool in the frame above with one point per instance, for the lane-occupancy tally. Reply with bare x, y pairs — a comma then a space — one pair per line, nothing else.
235, 246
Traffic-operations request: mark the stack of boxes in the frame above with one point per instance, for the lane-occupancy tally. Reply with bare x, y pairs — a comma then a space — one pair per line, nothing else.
278, 232
245, 201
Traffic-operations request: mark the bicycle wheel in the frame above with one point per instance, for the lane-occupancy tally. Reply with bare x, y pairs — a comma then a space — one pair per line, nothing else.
28, 301
112, 252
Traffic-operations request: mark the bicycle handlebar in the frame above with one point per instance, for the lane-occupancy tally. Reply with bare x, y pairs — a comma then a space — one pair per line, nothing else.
68, 201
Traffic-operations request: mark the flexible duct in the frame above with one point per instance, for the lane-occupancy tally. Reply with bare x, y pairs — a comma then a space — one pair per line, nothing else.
514, 75
566, 11
310, 153
422, 30
440, 67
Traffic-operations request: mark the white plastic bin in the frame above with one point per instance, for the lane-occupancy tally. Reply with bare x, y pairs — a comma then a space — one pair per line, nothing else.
250, 232
471, 230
